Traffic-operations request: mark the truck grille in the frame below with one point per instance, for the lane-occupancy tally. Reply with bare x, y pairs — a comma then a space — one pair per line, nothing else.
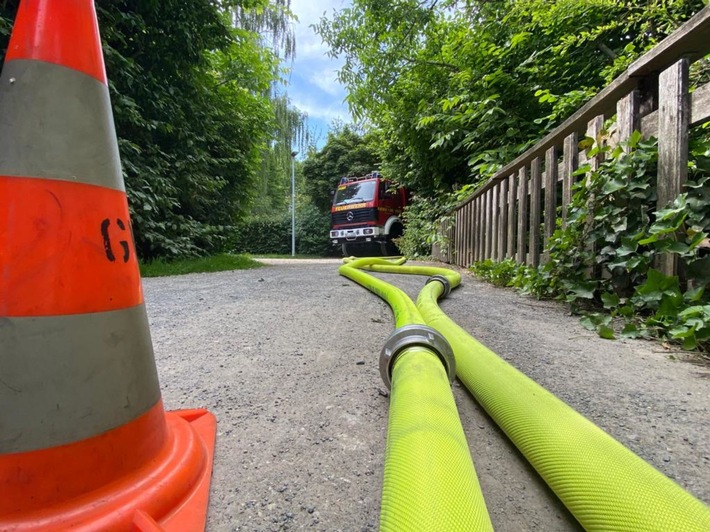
359, 216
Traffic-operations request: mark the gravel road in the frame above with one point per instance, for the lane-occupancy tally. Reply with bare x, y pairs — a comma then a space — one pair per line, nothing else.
286, 357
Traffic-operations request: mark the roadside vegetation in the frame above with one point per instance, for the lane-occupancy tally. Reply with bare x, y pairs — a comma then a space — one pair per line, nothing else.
215, 263
455, 89
602, 262
205, 128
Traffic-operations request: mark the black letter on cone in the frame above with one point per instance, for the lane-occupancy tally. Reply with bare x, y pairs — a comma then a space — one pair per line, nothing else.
107, 240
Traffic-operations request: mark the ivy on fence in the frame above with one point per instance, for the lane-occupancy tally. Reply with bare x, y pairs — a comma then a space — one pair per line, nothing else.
602, 261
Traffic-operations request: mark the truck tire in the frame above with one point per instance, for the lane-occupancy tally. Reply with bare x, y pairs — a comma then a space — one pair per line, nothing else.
389, 249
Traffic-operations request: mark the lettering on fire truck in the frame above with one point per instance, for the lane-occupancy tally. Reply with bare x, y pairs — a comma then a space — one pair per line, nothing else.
351, 206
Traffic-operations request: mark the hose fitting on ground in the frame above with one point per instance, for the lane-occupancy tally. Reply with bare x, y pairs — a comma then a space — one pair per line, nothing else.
443, 280
416, 335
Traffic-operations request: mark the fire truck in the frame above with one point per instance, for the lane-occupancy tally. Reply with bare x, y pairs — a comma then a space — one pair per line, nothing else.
366, 212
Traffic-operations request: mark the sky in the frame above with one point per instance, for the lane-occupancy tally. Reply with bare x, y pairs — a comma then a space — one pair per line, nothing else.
314, 88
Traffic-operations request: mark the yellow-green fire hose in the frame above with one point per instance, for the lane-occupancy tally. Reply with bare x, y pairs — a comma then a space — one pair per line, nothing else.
429, 480
603, 484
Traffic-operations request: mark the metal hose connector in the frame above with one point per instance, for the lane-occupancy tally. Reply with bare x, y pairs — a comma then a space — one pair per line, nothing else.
443, 280
411, 335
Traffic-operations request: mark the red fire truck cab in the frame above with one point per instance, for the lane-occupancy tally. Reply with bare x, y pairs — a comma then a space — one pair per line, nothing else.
367, 210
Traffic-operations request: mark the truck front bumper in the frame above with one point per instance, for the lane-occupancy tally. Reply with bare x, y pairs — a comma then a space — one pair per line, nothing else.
357, 235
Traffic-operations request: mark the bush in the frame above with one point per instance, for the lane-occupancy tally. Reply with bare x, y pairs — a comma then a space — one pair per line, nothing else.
262, 235
422, 219
312, 232
421, 222
272, 235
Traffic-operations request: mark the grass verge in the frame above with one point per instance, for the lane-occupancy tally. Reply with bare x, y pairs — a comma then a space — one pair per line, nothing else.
288, 256
215, 263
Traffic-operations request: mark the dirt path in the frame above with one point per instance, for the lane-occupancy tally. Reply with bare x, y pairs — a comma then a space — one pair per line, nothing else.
286, 357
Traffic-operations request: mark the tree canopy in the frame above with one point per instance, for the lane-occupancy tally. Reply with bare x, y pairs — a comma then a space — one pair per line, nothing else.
345, 153
457, 87
448, 89
196, 117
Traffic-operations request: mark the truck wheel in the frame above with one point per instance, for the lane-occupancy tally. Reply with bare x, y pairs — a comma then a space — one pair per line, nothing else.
389, 249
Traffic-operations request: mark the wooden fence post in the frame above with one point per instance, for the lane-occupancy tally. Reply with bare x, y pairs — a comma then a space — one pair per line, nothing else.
464, 232
550, 192
569, 165
510, 218
502, 218
457, 240
627, 115
480, 247
673, 124
535, 196
594, 130
522, 214
490, 223
469, 233
474, 226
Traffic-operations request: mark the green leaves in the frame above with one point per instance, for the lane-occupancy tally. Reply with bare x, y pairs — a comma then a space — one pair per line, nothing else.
345, 153
656, 287
456, 93
599, 323
693, 327
623, 243
459, 89
582, 289
610, 300
699, 270
191, 114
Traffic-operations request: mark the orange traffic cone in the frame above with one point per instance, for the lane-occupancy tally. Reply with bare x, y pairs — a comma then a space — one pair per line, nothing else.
84, 441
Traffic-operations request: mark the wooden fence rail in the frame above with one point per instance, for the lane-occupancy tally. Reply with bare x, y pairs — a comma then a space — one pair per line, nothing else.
514, 214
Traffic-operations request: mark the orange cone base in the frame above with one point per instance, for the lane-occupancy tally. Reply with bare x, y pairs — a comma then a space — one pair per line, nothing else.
169, 494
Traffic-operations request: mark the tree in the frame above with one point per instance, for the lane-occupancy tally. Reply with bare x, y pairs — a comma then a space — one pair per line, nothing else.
289, 133
193, 115
345, 153
458, 87
191, 118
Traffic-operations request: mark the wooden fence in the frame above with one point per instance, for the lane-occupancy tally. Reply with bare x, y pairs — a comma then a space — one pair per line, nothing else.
503, 218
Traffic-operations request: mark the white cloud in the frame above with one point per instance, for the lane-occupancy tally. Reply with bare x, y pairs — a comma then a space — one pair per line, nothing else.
327, 80
318, 103
309, 11
321, 110
313, 86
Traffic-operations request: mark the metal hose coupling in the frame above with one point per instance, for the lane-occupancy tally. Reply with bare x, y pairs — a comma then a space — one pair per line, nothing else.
443, 280
415, 335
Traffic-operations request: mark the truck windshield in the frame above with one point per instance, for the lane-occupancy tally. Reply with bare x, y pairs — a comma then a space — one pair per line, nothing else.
355, 192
